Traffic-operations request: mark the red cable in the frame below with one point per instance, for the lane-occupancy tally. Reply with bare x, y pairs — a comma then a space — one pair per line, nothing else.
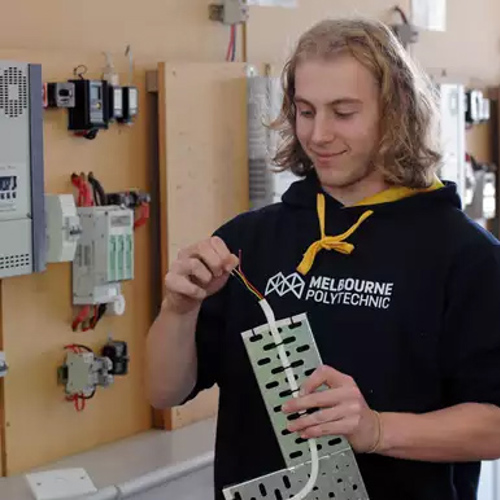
85, 198
247, 280
82, 315
81, 406
231, 42
75, 180
87, 191
144, 215
78, 400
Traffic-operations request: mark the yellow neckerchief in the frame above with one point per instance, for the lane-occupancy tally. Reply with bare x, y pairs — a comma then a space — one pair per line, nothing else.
338, 242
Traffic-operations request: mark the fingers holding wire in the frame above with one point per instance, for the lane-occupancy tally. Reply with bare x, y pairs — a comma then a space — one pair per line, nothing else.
196, 270
214, 254
186, 277
208, 254
229, 260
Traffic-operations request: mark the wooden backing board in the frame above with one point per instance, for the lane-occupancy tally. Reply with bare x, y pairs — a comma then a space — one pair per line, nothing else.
478, 139
203, 168
36, 310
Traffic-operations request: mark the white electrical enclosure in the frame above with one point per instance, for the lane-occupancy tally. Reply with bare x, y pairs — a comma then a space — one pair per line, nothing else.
104, 255
63, 227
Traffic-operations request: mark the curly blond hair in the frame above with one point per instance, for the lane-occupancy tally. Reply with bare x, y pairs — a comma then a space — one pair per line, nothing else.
406, 155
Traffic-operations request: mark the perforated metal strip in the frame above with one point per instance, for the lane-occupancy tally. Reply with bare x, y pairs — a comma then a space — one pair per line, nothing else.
337, 479
338, 467
304, 358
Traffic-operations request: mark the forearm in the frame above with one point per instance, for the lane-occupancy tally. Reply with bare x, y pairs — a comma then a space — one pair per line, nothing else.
464, 432
171, 358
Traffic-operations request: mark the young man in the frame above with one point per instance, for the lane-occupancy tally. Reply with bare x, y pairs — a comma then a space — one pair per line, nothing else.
402, 291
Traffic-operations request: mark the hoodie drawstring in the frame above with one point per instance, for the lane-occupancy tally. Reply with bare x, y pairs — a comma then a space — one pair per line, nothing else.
336, 243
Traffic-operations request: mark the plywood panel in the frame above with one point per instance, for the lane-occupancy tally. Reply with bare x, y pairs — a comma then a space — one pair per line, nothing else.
158, 28
36, 310
479, 141
203, 166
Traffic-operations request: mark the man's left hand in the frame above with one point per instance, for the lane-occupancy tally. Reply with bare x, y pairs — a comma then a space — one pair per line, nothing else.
342, 410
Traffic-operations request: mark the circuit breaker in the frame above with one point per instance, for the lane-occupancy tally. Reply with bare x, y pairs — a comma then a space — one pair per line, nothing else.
104, 255
22, 213
82, 372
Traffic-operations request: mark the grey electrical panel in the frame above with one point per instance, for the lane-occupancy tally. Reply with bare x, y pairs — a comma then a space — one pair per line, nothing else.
22, 210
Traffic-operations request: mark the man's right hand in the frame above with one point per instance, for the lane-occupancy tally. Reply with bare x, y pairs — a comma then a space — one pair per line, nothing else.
199, 271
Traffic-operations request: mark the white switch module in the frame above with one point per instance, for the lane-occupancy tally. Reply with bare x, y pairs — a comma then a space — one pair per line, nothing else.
60, 484
63, 227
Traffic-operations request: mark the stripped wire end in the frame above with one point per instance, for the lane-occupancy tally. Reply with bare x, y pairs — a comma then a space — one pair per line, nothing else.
238, 273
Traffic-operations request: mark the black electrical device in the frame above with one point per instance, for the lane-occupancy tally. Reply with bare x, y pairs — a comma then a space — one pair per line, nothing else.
130, 103
128, 199
89, 113
117, 352
472, 106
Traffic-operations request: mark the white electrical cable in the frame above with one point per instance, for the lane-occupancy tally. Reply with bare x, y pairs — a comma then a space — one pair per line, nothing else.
271, 321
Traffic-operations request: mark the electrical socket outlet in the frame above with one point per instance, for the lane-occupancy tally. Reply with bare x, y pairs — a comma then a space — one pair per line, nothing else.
60, 484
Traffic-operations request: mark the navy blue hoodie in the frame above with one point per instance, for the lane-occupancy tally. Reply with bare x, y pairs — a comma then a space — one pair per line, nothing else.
408, 305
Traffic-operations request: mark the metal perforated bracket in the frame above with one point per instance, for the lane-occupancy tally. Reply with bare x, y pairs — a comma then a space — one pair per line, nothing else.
339, 476
337, 479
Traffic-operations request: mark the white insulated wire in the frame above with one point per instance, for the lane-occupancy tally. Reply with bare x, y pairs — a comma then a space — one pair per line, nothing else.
271, 321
